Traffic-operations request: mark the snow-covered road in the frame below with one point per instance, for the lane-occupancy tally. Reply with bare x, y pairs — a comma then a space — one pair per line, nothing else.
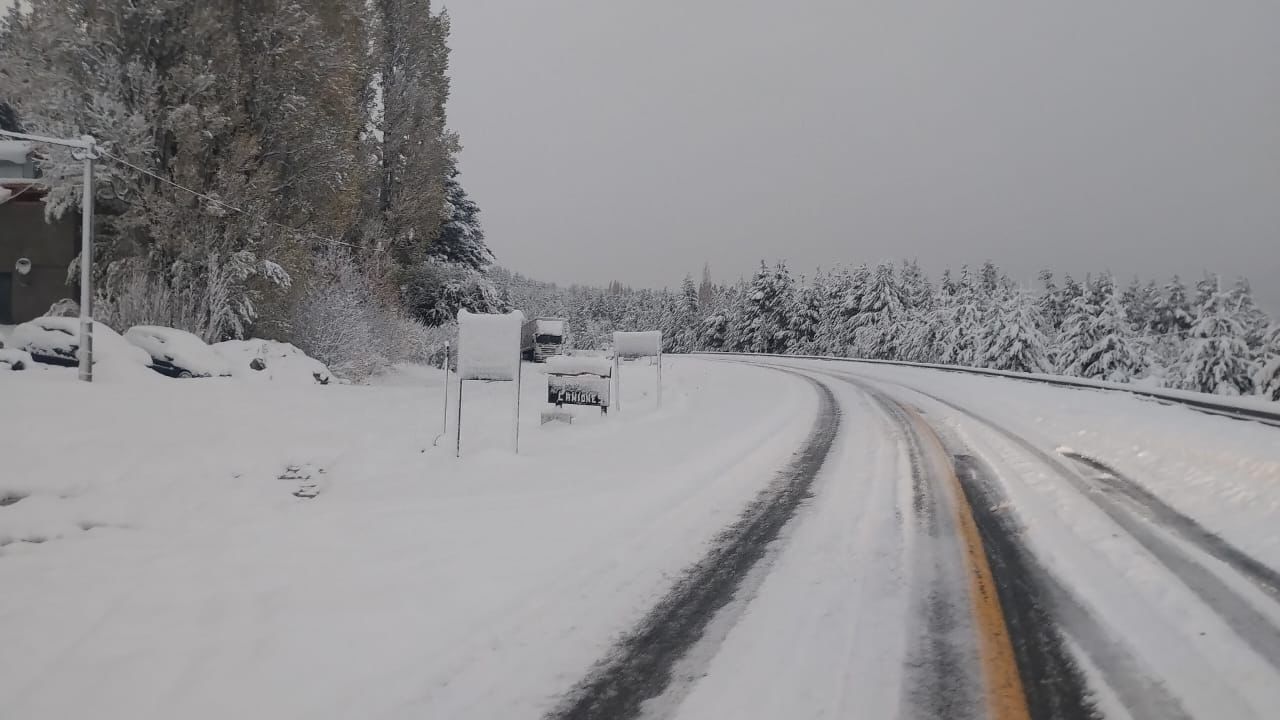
783, 538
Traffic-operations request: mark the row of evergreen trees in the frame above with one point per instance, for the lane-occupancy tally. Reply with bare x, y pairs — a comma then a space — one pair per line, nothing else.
317, 128
1211, 337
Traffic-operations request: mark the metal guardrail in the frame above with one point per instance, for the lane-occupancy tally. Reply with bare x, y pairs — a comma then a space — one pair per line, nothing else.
1267, 417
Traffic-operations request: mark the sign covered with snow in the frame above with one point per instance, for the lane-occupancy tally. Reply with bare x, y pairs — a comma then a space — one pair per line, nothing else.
578, 390
637, 344
489, 346
579, 365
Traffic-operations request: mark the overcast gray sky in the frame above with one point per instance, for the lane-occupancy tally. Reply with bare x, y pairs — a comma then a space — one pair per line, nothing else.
636, 140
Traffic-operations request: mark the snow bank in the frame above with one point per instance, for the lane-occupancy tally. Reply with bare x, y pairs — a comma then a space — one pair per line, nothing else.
178, 351
15, 360
56, 340
489, 345
15, 151
637, 344
579, 365
270, 360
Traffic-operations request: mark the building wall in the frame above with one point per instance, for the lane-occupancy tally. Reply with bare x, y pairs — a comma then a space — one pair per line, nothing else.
49, 246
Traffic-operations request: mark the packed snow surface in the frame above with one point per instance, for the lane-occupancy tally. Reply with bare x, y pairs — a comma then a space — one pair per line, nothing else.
165, 568
489, 345
179, 348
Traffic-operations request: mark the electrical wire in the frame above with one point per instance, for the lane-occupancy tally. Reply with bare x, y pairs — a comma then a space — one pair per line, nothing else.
227, 206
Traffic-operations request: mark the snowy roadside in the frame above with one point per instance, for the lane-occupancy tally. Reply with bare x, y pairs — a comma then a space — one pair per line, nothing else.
156, 565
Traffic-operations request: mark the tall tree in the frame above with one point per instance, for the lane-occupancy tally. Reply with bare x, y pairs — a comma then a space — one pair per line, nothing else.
1215, 358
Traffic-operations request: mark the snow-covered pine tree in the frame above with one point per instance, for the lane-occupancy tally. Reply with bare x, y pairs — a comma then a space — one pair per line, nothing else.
805, 318
1013, 340
1117, 354
1216, 356
959, 320
917, 292
1050, 303
461, 239
1267, 377
769, 300
706, 288
882, 309
1076, 336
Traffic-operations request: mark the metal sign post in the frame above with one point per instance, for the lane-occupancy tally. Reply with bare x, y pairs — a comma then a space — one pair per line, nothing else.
83, 149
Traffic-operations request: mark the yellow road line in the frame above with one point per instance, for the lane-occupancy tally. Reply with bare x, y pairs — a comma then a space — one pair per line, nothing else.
1006, 699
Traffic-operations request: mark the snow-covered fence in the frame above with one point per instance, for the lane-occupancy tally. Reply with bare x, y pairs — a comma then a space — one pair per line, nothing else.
489, 350
632, 345
1236, 408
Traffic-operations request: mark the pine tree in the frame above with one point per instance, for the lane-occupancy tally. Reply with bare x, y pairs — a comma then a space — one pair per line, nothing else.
1216, 356
882, 308
770, 298
806, 316
705, 288
1076, 337
461, 239
1051, 305
1116, 354
1267, 377
1014, 341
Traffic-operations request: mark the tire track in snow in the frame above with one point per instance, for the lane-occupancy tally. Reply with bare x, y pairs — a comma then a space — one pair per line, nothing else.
943, 681
1144, 697
1185, 527
1253, 627
1049, 682
640, 666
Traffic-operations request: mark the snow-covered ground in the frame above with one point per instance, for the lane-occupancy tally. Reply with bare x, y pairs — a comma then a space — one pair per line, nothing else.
161, 555
155, 565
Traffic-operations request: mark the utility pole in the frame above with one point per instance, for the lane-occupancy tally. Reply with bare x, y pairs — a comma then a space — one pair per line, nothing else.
85, 150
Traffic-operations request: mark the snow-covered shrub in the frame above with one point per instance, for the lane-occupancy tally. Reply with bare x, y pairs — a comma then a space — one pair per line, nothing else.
208, 299
340, 321
66, 307
336, 320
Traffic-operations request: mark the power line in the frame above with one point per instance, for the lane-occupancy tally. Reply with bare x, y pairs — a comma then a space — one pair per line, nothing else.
225, 205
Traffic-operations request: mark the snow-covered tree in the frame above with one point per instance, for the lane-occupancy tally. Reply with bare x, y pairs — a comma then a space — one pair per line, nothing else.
461, 239
1216, 356
770, 298
1013, 340
1117, 353
1267, 377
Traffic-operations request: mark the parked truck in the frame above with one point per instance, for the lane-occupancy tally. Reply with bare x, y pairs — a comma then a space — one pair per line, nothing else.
544, 337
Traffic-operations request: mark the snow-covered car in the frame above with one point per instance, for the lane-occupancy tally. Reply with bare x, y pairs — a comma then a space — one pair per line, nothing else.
14, 359
56, 341
177, 353
271, 360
